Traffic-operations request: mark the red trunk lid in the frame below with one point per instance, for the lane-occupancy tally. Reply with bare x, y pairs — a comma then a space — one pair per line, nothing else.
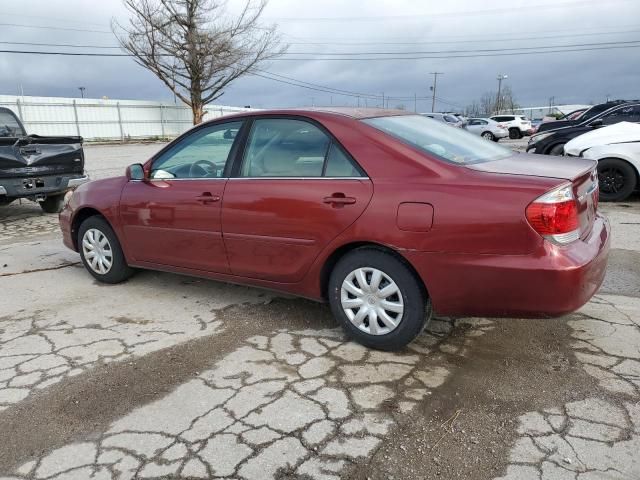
580, 172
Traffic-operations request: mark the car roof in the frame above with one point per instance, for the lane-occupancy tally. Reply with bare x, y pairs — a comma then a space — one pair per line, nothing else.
357, 113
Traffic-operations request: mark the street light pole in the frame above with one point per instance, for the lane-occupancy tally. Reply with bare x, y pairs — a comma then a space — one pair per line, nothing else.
499, 99
435, 85
82, 89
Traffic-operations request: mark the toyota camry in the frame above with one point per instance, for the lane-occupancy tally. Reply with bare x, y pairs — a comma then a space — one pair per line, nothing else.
386, 215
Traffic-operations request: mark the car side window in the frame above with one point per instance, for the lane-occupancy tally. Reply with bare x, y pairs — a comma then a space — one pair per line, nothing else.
9, 126
483, 122
338, 164
283, 147
203, 154
623, 114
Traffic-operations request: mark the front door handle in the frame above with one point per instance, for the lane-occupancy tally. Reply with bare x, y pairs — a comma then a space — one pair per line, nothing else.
339, 199
207, 198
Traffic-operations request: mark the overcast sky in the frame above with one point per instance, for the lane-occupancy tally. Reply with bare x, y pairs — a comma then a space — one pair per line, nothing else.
353, 26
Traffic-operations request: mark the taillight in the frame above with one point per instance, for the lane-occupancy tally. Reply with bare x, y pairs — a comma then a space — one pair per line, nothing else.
554, 215
502, 125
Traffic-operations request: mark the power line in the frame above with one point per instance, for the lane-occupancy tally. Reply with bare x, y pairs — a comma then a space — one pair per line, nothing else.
334, 90
68, 54
502, 39
404, 56
318, 88
482, 50
46, 27
69, 45
449, 57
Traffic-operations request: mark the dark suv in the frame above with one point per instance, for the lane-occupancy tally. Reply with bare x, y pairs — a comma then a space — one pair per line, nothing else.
552, 136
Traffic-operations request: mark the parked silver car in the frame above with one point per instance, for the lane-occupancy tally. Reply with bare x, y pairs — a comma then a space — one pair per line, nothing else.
487, 128
447, 118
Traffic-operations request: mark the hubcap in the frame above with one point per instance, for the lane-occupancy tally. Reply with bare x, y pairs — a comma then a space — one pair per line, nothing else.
372, 301
97, 251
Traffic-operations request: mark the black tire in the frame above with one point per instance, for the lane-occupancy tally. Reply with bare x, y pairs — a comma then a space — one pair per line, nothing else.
488, 136
119, 271
557, 150
417, 307
515, 134
617, 179
5, 201
52, 204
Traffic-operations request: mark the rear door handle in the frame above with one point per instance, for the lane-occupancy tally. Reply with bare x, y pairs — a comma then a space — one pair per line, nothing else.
207, 198
339, 199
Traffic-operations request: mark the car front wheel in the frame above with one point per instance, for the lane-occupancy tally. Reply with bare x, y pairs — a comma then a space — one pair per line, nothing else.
557, 150
100, 251
488, 136
378, 299
617, 179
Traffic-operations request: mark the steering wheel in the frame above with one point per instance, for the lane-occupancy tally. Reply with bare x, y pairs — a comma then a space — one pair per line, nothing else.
212, 170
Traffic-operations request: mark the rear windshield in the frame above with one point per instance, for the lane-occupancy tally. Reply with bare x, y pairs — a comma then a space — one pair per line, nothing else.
9, 126
451, 144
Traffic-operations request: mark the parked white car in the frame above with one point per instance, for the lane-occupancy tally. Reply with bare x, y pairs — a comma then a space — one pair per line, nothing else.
617, 150
487, 128
447, 118
518, 125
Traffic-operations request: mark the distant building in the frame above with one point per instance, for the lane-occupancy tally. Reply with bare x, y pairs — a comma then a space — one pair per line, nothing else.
541, 112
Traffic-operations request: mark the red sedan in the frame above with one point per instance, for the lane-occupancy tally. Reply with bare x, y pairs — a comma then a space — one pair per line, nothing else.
386, 215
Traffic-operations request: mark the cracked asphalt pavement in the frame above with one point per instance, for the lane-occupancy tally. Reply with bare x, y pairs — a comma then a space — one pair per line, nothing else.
174, 377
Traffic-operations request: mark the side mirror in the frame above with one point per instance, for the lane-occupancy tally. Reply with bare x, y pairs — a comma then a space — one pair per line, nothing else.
135, 172
596, 123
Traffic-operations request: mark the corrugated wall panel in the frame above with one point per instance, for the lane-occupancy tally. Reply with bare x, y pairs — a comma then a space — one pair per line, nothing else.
105, 119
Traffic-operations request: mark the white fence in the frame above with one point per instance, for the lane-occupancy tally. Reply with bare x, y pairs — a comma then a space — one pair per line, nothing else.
96, 119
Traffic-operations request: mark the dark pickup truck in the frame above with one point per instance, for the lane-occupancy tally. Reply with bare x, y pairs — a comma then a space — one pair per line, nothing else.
40, 169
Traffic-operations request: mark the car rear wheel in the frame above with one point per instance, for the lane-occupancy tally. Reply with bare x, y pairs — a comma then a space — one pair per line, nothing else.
488, 136
5, 201
101, 253
557, 150
515, 133
52, 204
617, 179
378, 299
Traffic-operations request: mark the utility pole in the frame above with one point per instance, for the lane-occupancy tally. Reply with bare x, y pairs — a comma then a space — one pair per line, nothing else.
552, 100
435, 85
82, 89
499, 99
382, 99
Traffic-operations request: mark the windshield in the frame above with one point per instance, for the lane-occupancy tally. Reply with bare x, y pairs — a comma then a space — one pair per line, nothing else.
9, 126
451, 144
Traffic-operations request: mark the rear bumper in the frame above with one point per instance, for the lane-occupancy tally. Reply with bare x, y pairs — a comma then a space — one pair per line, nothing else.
42, 185
548, 283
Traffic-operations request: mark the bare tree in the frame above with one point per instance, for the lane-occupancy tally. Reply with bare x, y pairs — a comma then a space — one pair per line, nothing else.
487, 105
194, 47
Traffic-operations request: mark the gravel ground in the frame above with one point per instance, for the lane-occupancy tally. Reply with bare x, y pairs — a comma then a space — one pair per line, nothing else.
174, 377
